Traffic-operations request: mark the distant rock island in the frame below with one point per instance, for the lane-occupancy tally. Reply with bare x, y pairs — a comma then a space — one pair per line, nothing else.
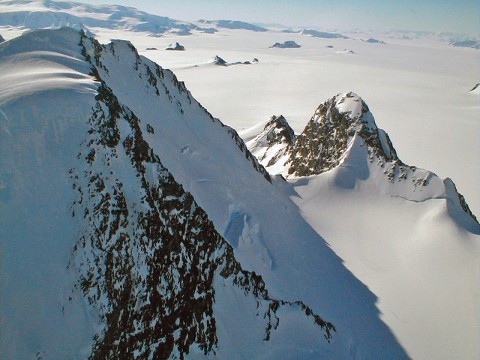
374, 41
175, 46
217, 60
286, 45
231, 24
322, 34
469, 43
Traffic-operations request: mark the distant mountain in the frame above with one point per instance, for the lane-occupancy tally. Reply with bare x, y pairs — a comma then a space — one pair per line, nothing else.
231, 24
474, 44
476, 89
39, 14
217, 60
322, 34
374, 41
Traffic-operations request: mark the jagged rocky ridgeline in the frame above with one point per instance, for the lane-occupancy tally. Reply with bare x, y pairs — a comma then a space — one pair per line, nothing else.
343, 131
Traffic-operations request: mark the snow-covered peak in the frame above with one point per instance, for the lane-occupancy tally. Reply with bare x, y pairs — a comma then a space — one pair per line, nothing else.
131, 264
277, 130
342, 133
269, 141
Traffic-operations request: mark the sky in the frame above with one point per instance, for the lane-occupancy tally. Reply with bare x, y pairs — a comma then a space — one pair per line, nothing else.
461, 16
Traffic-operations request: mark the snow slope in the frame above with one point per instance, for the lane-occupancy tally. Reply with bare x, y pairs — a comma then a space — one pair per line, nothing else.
403, 231
107, 164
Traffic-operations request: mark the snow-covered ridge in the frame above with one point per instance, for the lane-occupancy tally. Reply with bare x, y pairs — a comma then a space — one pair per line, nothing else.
343, 133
